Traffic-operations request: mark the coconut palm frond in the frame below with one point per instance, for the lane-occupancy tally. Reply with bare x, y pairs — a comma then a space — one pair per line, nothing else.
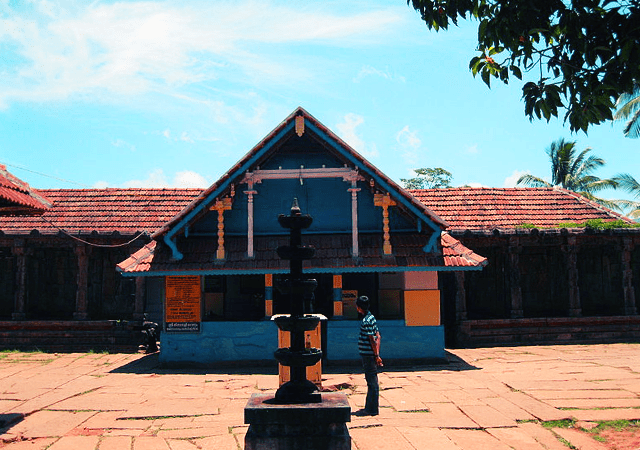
628, 183
532, 181
632, 128
628, 107
615, 205
574, 171
627, 104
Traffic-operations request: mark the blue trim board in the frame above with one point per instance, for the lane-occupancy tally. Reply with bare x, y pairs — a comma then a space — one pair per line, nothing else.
332, 270
212, 196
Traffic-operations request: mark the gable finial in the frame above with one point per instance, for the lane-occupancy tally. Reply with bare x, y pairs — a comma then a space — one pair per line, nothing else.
299, 125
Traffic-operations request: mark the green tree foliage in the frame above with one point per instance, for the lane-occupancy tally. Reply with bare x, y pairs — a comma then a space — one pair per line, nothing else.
628, 108
574, 171
582, 54
428, 178
631, 185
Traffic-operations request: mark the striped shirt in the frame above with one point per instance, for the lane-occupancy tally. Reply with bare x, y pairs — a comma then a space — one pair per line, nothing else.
368, 327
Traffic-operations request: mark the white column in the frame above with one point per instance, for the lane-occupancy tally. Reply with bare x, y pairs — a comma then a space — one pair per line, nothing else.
250, 193
354, 219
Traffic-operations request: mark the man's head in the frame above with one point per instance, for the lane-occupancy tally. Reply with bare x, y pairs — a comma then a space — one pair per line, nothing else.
362, 303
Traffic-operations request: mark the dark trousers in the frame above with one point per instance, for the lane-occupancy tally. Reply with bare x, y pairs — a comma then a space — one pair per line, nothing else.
373, 388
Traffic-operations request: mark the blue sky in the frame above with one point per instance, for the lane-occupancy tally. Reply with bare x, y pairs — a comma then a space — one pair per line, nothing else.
173, 93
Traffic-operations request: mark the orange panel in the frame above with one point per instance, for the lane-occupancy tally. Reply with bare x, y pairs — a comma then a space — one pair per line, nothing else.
422, 308
337, 309
268, 308
312, 339
420, 280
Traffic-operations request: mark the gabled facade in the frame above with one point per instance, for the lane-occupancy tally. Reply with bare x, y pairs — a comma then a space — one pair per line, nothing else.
371, 237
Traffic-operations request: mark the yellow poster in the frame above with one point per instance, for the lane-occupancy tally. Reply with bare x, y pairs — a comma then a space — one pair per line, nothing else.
182, 303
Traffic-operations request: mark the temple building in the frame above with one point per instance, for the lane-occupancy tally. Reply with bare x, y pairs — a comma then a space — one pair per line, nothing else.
80, 268
220, 267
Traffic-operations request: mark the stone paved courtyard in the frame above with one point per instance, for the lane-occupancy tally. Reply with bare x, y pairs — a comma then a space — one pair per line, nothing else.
491, 398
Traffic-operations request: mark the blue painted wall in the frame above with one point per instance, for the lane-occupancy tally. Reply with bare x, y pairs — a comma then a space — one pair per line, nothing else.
221, 342
397, 340
256, 341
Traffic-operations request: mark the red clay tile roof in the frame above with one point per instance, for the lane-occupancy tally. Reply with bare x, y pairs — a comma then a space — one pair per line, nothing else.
15, 193
507, 208
332, 252
82, 211
132, 210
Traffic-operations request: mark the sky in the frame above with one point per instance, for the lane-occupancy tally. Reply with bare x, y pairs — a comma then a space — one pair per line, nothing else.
173, 93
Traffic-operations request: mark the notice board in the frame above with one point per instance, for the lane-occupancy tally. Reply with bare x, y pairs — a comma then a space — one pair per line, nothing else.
182, 304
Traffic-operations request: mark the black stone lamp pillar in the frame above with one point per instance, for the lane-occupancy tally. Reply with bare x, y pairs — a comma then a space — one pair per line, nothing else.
297, 417
300, 292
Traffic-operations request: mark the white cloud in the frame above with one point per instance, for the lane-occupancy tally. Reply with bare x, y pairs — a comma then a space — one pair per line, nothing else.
512, 180
122, 49
368, 71
100, 185
119, 143
472, 149
347, 131
190, 179
184, 137
157, 179
409, 144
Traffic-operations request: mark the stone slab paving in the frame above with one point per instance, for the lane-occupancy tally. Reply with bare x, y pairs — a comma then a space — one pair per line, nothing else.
494, 398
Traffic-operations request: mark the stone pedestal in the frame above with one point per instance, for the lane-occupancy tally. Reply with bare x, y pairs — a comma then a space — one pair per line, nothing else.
308, 426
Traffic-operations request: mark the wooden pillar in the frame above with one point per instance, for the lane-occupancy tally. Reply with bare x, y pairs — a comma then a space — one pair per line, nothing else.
461, 297
221, 206
384, 201
82, 304
138, 309
514, 250
337, 297
627, 278
571, 257
268, 294
20, 252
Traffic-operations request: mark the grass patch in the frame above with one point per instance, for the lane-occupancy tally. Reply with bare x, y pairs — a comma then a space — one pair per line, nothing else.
618, 425
567, 443
564, 423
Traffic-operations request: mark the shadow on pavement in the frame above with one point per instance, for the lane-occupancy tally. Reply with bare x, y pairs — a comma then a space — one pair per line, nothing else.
8, 420
150, 364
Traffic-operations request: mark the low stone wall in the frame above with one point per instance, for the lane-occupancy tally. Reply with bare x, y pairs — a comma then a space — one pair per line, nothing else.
69, 335
567, 330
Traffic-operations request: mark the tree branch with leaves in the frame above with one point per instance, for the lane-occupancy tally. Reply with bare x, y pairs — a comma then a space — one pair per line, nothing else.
581, 54
428, 178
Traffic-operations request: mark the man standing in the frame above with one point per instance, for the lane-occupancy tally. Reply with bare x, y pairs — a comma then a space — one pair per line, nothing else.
369, 348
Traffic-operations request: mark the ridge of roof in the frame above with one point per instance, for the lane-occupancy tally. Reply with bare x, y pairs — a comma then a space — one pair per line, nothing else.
18, 192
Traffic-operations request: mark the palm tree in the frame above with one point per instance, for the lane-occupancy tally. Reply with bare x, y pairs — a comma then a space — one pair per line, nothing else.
629, 184
573, 172
628, 107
